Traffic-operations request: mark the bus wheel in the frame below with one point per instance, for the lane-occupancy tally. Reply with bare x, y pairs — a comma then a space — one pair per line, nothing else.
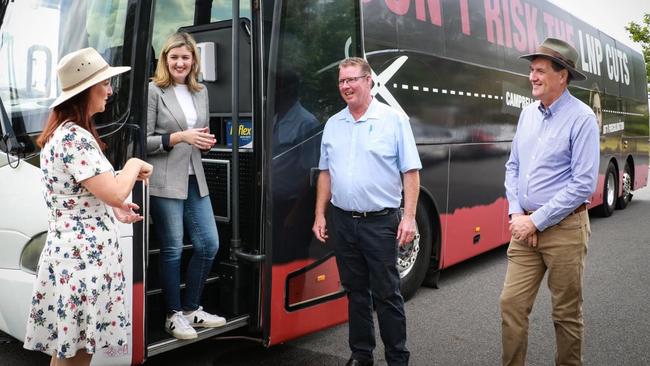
609, 193
413, 258
626, 197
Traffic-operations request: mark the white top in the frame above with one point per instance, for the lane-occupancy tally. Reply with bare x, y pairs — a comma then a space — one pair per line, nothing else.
184, 98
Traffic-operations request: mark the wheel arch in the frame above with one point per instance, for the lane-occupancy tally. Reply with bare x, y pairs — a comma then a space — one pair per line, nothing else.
434, 217
614, 161
617, 167
606, 209
630, 162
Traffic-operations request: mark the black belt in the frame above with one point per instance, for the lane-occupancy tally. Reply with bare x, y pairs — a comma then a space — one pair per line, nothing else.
361, 215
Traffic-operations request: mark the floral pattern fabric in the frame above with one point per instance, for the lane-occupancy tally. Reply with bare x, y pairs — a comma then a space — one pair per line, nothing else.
78, 299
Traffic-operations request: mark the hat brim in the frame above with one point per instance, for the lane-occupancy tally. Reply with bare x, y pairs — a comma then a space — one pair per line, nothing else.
106, 74
575, 74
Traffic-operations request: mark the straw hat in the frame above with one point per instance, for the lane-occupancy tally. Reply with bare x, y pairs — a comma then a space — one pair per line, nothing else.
79, 70
560, 52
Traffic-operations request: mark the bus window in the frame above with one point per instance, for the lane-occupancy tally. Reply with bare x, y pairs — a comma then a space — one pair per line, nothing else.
171, 15
29, 55
308, 40
314, 36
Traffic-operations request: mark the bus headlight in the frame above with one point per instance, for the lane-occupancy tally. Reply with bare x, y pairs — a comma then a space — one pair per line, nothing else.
32, 252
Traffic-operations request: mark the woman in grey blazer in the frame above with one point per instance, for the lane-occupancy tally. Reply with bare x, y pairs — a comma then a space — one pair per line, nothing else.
177, 131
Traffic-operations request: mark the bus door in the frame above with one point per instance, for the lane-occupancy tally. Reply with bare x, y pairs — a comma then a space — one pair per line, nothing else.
302, 291
233, 287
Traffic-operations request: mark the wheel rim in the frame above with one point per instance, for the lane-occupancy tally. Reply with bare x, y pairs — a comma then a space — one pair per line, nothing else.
610, 190
407, 255
627, 185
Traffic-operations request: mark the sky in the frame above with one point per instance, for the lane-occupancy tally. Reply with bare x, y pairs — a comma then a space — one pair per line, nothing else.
610, 16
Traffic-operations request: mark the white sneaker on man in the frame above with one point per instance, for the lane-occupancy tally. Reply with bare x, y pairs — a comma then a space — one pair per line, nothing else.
201, 319
178, 326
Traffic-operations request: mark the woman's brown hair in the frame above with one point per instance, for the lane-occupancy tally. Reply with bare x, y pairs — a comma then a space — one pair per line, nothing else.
74, 110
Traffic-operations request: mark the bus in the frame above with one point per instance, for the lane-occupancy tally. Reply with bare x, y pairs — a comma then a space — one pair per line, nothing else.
451, 65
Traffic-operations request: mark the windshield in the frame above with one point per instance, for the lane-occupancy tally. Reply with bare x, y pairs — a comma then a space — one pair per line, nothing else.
171, 15
35, 34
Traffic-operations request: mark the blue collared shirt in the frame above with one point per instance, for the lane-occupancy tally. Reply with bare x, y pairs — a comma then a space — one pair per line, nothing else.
365, 157
553, 164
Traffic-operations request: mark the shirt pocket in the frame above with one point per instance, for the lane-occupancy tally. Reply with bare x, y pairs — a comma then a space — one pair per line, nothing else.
557, 149
383, 146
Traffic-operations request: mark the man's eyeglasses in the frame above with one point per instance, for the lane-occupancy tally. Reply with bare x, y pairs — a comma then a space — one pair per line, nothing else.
350, 81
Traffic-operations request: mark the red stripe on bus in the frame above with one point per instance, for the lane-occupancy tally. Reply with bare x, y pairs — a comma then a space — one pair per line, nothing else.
137, 324
640, 175
286, 325
470, 231
596, 198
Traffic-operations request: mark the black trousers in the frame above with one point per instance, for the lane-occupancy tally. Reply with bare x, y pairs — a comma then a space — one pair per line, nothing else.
366, 255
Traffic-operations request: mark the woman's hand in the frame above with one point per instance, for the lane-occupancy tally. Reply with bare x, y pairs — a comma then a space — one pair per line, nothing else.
126, 213
199, 137
145, 172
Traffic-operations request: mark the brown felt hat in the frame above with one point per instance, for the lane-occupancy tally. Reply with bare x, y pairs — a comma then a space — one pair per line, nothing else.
561, 52
79, 70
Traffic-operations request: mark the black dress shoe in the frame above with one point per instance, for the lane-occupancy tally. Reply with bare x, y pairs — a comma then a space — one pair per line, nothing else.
353, 362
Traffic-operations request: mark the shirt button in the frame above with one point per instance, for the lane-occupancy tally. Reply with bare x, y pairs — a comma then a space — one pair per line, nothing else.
527, 175
525, 196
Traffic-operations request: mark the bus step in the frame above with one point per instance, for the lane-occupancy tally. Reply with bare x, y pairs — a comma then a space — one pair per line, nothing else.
233, 298
209, 280
203, 333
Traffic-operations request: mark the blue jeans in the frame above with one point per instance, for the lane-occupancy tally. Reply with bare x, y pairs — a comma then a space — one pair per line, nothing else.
366, 255
170, 217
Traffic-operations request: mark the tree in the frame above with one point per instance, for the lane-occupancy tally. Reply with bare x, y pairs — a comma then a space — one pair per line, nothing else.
641, 33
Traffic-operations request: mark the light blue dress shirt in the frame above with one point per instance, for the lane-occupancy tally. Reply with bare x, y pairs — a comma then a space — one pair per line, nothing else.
553, 164
365, 157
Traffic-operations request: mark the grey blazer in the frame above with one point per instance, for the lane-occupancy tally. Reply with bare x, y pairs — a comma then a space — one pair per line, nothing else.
165, 116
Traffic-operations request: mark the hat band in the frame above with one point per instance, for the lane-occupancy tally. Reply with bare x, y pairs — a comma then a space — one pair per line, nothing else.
67, 88
557, 55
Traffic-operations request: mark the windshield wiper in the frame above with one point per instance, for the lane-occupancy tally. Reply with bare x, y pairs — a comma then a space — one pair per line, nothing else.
9, 137
4, 4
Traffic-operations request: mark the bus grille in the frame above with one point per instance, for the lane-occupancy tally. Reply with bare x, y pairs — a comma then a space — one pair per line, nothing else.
217, 166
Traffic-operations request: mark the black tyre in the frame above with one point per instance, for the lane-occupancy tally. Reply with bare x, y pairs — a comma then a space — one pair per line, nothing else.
610, 193
413, 258
626, 195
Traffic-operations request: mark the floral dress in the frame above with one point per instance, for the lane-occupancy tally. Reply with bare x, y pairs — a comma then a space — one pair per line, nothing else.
78, 299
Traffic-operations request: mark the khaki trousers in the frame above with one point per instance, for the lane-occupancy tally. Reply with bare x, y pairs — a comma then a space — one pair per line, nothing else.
561, 250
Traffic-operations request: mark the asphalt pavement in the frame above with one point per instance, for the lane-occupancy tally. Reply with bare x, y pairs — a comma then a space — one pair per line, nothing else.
459, 324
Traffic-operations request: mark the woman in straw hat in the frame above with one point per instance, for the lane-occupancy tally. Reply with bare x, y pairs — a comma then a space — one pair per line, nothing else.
78, 302
177, 132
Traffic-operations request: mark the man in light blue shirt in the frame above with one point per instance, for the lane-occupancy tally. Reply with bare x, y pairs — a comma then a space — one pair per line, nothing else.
367, 150
551, 172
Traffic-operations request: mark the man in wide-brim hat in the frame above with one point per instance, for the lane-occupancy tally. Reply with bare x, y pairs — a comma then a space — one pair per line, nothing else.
560, 52
550, 175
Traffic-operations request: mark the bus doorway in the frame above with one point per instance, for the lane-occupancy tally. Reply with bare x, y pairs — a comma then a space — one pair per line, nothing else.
232, 288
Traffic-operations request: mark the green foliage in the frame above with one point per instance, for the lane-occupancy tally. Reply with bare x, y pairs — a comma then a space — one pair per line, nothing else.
641, 33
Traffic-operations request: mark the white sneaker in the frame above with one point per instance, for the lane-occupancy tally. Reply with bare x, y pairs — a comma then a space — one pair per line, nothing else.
199, 318
179, 327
